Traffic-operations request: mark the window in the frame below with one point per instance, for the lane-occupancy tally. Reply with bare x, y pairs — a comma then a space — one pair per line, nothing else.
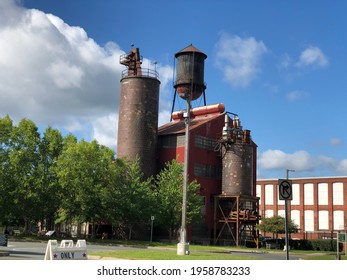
296, 194
269, 194
308, 194
282, 213
171, 141
323, 194
209, 171
338, 193
323, 220
295, 216
269, 213
258, 193
205, 142
309, 222
338, 220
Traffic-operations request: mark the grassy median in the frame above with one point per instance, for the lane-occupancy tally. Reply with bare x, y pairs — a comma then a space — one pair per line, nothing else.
167, 255
197, 252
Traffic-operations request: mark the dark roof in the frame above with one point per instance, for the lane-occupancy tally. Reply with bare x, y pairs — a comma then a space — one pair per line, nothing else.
190, 48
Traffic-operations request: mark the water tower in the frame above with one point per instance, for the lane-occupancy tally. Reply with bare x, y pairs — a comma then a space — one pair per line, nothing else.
190, 65
138, 113
189, 85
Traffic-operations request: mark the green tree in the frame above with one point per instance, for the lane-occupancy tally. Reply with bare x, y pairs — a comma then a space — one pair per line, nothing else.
82, 168
111, 196
276, 225
50, 148
6, 127
169, 198
135, 197
23, 162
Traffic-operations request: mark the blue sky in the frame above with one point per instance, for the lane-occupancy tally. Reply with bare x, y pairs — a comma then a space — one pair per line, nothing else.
280, 65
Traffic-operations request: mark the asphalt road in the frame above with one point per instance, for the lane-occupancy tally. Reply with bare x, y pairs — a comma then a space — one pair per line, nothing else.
17, 250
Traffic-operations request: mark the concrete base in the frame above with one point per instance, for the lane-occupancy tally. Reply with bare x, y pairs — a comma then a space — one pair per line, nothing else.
182, 249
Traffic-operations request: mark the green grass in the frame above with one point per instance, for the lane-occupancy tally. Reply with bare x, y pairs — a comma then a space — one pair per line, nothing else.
167, 251
167, 255
195, 255
323, 257
198, 252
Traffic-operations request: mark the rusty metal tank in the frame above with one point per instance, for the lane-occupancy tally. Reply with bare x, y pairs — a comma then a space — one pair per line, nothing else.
190, 73
138, 117
238, 159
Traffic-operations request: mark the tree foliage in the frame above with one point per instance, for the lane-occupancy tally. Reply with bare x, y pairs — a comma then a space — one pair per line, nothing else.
53, 179
169, 198
23, 165
81, 169
276, 225
135, 197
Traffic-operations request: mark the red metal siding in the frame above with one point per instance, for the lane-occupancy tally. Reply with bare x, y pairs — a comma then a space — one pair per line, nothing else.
211, 128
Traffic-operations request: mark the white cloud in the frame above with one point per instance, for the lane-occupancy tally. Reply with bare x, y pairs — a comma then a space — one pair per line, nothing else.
276, 159
285, 61
312, 56
164, 117
105, 129
342, 166
302, 162
297, 95
335, 142
166, 93
65, 76
54, 74
239, 58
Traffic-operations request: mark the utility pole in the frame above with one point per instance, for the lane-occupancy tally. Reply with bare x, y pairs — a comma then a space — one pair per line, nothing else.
286, 218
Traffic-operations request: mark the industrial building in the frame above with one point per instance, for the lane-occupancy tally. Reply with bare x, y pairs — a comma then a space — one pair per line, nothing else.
318, 207
222, 155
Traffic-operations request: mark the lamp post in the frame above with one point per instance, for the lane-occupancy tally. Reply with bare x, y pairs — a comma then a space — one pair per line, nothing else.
183, 246
286, 218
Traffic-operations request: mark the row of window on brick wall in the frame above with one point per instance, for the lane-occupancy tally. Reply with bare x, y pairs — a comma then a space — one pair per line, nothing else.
171, 141
205, 142
209, 171
308, 215
323, 196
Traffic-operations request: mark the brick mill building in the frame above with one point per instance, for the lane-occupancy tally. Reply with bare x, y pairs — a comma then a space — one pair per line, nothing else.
319, 205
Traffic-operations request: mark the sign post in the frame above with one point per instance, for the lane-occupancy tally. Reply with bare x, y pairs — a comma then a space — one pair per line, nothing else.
152, 220
285, 193
341, 238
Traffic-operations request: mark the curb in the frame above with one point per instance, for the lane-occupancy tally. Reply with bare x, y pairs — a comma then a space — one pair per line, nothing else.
4, 254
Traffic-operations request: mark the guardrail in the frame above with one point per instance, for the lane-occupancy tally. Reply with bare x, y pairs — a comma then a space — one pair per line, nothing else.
144, 72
